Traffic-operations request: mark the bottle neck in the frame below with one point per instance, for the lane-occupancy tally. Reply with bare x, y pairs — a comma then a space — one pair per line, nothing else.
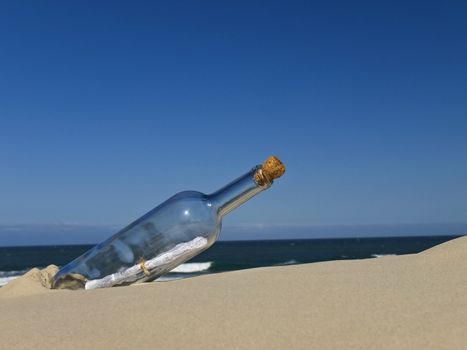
238, 192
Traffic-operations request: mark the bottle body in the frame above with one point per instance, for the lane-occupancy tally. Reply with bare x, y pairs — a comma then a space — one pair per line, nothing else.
187, 218
167, 236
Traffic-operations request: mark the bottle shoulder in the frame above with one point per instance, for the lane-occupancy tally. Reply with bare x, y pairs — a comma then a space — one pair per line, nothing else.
189, 195
193, 204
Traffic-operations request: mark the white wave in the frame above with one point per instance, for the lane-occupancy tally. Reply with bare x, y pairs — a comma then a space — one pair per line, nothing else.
382, 255
5, 280
12, 273
192, 267
288, 262
7, 276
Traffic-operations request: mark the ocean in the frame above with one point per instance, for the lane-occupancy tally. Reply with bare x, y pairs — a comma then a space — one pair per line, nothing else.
232, 255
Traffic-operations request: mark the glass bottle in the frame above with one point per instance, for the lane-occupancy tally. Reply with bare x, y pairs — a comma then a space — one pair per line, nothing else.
167, 236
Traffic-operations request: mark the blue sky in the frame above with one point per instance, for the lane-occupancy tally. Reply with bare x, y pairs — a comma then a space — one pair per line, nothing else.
108, 108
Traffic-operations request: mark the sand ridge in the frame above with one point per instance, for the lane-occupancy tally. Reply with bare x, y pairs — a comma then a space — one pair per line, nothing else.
402, 302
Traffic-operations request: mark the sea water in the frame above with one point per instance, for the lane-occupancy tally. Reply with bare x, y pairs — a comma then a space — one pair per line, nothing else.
232, 255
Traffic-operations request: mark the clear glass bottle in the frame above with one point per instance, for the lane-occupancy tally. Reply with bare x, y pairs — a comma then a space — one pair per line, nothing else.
167, 236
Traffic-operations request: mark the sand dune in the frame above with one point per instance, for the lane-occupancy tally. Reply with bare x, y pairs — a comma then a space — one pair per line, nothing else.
401, 302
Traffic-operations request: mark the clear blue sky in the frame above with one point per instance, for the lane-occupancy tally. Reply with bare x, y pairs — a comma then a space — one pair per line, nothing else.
107, 108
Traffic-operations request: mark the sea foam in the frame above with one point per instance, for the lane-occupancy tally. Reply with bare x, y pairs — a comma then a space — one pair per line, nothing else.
381, 255
192, 267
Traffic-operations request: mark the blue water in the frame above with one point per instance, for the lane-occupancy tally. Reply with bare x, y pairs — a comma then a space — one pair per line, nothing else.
234, 255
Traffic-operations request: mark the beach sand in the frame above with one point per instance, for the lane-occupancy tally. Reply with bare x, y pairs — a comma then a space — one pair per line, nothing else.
402, 302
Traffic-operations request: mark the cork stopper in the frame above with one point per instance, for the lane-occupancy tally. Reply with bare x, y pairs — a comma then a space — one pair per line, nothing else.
272, 169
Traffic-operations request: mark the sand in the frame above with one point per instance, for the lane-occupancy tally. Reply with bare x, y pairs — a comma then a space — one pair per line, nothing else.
402, 302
